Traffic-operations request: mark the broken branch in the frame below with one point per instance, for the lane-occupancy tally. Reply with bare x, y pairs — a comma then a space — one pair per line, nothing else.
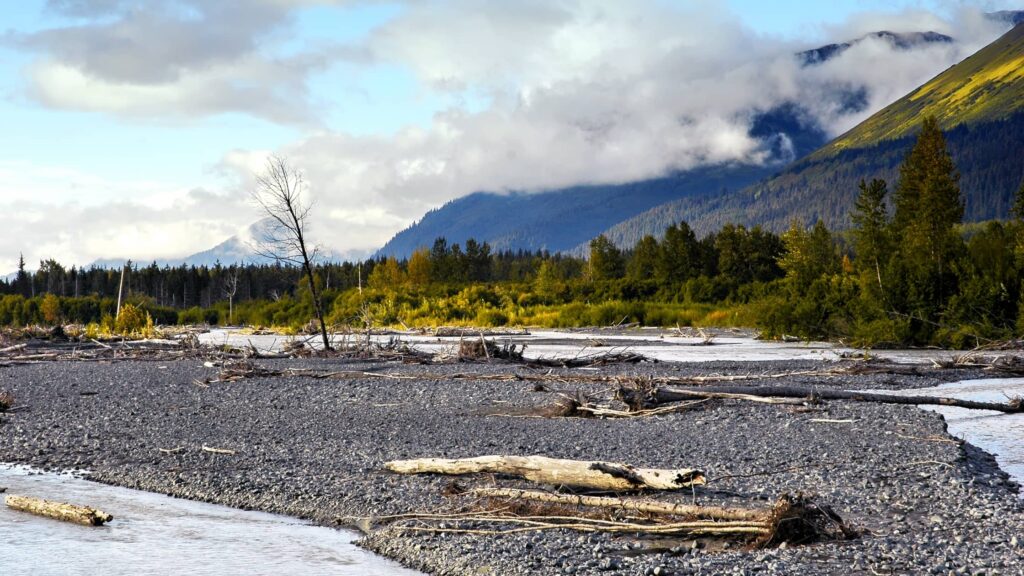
659, 396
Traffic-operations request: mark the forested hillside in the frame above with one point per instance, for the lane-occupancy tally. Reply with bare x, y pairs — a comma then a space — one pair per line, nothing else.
990, 157
566, 219
559, 220
980, 104
909, 273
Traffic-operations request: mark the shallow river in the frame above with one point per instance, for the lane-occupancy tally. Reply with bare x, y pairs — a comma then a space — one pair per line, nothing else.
152, 534
653, 343
995, 432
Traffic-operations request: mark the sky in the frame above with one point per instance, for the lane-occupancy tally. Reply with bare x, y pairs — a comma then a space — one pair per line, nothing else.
134, 128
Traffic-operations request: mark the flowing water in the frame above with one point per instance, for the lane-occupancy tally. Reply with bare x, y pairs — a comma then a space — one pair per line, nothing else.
997, 433
152, 534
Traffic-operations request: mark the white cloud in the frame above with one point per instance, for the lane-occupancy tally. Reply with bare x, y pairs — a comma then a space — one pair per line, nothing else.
184, 58
575, 91
272, 90
594, 92
74, 217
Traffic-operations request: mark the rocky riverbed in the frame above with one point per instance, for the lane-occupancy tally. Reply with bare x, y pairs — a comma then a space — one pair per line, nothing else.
314, 448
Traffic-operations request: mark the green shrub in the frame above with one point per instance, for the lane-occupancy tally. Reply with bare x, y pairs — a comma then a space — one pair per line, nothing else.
134, 321
491, 317
197, 315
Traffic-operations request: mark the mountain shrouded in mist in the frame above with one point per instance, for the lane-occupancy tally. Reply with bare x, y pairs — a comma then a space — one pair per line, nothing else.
562, 219
980, 105
900, 41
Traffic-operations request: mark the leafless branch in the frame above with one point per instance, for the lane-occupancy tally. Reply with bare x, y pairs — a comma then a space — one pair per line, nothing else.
282, 235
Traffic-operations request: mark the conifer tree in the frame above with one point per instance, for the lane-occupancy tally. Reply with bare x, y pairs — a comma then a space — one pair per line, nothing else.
680, 254
22, 280
645, 259
928, 208
606, 262
928, 201
871, 232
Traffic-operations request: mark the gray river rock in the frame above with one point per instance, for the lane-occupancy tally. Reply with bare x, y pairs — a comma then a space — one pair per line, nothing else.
149, 405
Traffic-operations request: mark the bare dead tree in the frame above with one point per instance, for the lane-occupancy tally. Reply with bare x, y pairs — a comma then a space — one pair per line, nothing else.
230, 289
283, 237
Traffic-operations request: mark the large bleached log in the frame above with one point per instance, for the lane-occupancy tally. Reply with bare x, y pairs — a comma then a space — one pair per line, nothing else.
580, 474
58, 510
664, 395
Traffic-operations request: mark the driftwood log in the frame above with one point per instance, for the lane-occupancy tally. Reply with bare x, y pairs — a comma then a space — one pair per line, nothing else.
58, 510
645, 399
791, 520
630, 505
540, 469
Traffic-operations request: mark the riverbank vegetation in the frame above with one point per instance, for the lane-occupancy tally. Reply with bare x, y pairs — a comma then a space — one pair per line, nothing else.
908, 272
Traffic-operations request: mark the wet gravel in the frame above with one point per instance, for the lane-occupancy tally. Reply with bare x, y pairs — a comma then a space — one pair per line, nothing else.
314, 449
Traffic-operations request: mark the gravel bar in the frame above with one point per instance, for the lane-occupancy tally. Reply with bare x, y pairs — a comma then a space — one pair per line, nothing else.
315, 448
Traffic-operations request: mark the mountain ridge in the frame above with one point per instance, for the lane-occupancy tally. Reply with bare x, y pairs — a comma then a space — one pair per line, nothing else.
597, 207
898, 40
984, 87
564, 219
236, 249
986, 142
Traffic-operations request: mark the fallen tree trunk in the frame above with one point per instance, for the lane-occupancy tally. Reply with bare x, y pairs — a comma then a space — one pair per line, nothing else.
58, 510
647, 399
581, 474
791, 520
746, 530
631, 505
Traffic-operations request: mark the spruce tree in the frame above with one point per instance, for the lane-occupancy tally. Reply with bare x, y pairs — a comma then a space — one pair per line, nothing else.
606, 262
928, 201
645, 259
22, 280
871, 232
680, 254
928, 208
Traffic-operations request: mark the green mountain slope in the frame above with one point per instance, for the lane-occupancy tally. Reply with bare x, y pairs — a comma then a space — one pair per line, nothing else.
980, 104
987, 86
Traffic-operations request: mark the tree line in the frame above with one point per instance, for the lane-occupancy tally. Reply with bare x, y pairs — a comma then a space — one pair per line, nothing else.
907, 272
911, 272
